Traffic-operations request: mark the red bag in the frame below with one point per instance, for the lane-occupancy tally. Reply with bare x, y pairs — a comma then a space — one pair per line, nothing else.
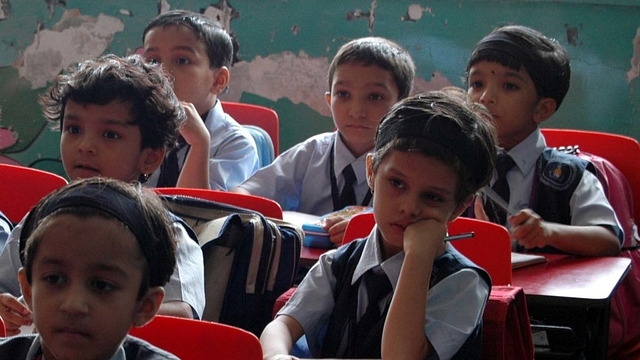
506, 326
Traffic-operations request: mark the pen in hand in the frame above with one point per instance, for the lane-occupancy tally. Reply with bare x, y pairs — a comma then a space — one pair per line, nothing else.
460, 236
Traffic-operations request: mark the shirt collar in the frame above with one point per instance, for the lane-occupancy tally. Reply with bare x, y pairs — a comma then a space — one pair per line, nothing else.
522, 154
343, 157
36, 350
372, 256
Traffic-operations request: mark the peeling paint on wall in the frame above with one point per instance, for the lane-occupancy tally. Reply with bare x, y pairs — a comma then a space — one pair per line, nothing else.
5, 9
573, 35
370, 16
415, 12
635, 59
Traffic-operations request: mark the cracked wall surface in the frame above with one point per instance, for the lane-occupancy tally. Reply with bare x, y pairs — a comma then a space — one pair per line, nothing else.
284, 50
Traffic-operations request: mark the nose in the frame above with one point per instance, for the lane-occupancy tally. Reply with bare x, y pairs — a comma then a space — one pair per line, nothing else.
74, 302
488, 96
87, 145
358, 109
410, 206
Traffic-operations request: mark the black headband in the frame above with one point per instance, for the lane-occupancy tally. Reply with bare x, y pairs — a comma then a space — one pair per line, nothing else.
500, 41
103, 198
437, 129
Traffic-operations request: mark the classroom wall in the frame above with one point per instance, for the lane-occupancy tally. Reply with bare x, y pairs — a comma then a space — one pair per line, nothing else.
285, 47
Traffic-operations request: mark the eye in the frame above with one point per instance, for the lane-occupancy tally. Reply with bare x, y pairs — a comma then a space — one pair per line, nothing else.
72, 129
53, 279
183, 61
432, 197
376, 97
397, 183
475, 84
111, 135
342, 94
102, 286
153, 61
509, 86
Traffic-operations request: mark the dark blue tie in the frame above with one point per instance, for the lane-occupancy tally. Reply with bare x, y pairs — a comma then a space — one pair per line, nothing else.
501, 187
378, 287
169, 169
348, 194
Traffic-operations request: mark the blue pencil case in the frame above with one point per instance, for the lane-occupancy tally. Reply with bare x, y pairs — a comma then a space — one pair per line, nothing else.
315, 236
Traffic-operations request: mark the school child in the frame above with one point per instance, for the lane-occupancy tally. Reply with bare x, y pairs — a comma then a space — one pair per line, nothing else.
366, 77
96, 254
197, 52
117, 116
432, 153
521, 77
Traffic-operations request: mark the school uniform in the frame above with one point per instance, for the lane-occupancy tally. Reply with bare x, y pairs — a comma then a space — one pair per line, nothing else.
302, 178
587, 204
28, 347
233, 155
455, 302
186, 283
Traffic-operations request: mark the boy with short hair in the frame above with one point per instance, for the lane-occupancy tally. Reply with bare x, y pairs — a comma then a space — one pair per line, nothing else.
366, 77
521, 77
117, 117
432, 154
197, 52
96, 254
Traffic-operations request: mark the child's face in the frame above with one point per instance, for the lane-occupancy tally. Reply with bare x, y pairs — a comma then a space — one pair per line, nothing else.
99, 140
409, 187
185, 58
86, 276
511, 98
359, 98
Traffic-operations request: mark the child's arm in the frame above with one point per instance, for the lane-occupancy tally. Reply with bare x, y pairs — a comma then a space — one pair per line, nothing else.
403, 335
530, 231
278, 337
195, 171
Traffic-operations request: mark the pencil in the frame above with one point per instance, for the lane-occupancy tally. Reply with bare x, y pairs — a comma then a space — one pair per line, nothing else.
460, 236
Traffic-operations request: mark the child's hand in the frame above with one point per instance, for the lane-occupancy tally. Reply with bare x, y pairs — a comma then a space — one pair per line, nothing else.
425, 236
193, 130
528, 229
281, 357
14, 313
336, 226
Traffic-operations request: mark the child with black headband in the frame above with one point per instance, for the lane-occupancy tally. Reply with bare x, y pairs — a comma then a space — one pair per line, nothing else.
521, 77
96, 255
432, 153
117, 116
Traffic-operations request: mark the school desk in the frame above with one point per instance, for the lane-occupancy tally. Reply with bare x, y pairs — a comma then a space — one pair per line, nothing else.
580, 288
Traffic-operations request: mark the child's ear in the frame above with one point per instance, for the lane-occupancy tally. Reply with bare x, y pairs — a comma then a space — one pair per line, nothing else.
462, 207
221, 82
370, 177
544, 109
327, 97
151, 159
25, 287
148, 306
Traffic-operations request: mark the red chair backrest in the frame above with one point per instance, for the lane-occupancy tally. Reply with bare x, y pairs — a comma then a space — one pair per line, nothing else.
22, 187
263, 117
359, 226
198, 339
267, 207
490, 248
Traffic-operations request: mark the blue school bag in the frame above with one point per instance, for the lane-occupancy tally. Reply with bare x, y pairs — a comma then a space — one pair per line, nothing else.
249, 260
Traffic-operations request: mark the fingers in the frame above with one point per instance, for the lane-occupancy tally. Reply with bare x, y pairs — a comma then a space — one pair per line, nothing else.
336, 230
14, 314
478, 209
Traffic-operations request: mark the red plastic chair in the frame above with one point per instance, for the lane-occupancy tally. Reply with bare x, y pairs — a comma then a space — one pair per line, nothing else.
263, 117
22, 187
266, 207
359, 226
622, 151
490, 248
198, 339
3, 329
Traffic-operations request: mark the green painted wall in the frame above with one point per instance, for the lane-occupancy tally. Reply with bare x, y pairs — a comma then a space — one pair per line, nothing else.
286, 45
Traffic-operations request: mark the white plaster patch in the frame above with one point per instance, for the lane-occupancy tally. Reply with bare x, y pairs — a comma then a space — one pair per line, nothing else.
74, 38
634, 72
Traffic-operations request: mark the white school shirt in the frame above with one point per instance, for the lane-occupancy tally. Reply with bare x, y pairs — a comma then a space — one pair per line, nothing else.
588, 204
233, 154
448, 324
186, 283
299, 179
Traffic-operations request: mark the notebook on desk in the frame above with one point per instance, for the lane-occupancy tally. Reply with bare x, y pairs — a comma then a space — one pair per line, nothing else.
519, 260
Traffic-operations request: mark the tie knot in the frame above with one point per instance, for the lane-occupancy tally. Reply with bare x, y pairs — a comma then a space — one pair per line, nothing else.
349, 175
504, 164
377, 284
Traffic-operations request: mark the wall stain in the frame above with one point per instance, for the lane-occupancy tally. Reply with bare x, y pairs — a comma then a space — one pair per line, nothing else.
573, 36
370, 16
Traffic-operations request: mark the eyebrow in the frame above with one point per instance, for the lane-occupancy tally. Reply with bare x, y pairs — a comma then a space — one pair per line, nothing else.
106, 121
101, 267
393, 171
508, 74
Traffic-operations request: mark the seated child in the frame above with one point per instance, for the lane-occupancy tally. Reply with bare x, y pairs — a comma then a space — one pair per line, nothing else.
96, 254
117, 116
366, 77
521, 77
197, 52
432, 154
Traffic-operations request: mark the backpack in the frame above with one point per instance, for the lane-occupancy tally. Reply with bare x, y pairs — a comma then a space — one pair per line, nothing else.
249, 260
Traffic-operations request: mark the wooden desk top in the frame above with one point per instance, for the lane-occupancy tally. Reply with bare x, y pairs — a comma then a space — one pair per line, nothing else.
583, 281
